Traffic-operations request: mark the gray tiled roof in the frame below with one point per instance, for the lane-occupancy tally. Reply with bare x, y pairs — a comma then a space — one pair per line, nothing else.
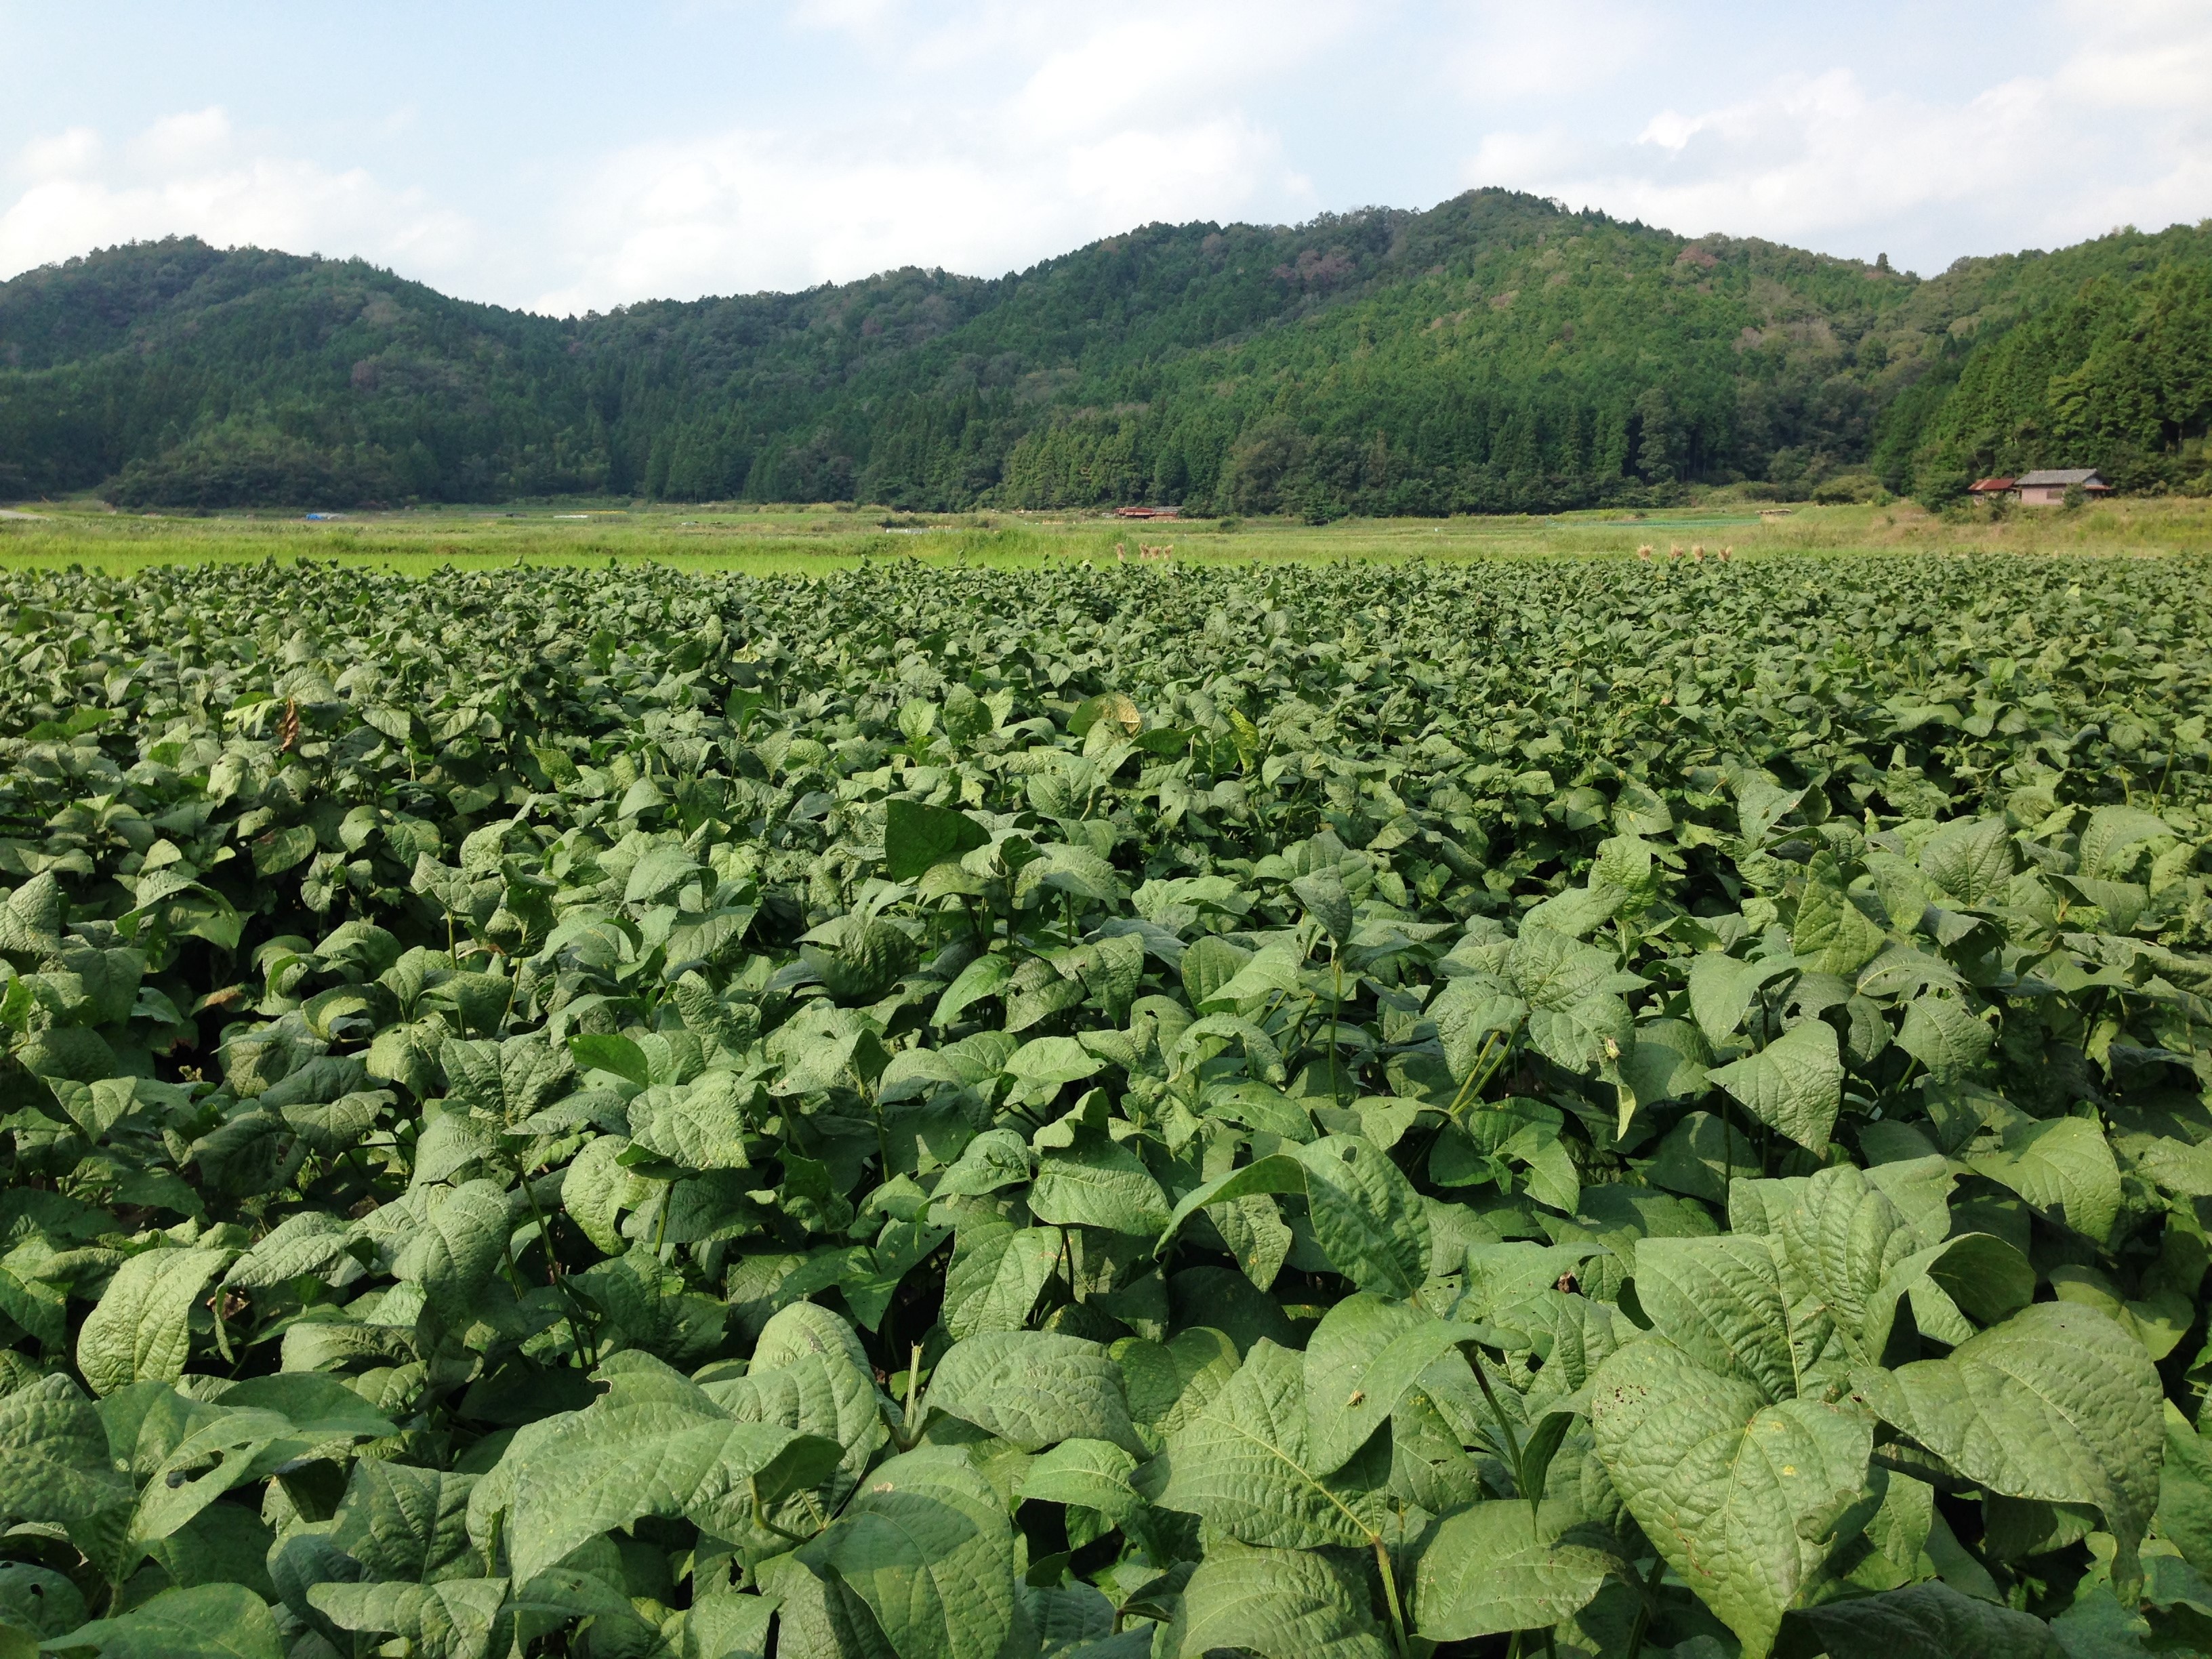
2064, 475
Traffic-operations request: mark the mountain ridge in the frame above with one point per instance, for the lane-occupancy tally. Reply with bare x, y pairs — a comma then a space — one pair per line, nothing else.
1496, 352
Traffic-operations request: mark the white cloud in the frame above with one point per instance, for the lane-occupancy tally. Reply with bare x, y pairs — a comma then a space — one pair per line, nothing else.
1821, 159
1510, 49
192, 173
749, 211
1132, 120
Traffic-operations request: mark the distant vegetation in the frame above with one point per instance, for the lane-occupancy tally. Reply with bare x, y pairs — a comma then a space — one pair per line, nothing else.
1496, 353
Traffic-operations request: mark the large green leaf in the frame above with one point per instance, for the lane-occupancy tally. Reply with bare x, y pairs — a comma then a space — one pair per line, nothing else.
2062, 1165
1796, 1083
1722, 1302
1367, 1218
2057, 1403
1094, 1474
457, 1251
1098, 1183
406, 1523
927, 1545
55, 1465
453, 1619
997, 1272
916, 836
1033, 1388
1277, 1603
1365, 1354
140, 1330
1244, 1460
1493, 1568
1929, 1621
1746, 1500
211, 1621
656, 1443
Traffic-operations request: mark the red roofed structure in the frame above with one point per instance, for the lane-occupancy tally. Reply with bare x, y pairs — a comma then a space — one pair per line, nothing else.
1986, 488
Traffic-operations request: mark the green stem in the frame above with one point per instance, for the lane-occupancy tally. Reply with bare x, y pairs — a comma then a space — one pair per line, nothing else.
1497, 1413
913, 1372
1642, 1625
1390, 1596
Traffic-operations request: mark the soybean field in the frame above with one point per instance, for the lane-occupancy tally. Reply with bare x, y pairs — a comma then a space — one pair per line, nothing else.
1551, 1105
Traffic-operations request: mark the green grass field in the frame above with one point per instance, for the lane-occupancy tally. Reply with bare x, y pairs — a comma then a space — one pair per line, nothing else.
770, 539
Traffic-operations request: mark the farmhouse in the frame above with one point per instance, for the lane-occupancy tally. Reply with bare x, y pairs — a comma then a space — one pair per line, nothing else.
2049, 487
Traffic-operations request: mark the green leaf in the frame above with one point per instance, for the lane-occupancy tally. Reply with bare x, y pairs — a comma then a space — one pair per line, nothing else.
917, 835
2184, 1490
460, 1248
140, 1330
1746, 1500
1094, 1474
1929, 1621
2110, 838
927, 1545
1796, 1083
55, 1465
1052, 1060
986, 977
211, 1621
1360, 1360
2064, 1167
1970, 860
1244, 1460
1833, 933
1943, 1035
1367, 1218
1323, 896
1277, 1603
1492, 1569
1098, 1183
997, 1272
1034, 1388
2057, 1403
455, 1619
654, 1444
1721, 987
1721, 1301
279, 850
406, 1523
609, 1053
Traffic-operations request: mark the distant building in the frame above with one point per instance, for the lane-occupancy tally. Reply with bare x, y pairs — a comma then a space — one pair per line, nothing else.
1147, 513
1990, 488
2048, 488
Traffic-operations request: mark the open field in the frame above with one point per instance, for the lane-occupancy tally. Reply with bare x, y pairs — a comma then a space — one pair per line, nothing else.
1468, 1100
768, 540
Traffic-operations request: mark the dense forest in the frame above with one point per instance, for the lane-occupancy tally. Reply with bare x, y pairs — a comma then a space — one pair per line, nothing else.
1497, 353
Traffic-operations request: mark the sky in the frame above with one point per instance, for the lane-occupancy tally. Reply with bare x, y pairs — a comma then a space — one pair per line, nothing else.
565, 157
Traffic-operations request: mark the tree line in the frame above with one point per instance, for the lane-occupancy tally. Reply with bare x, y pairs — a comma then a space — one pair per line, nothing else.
1498, 353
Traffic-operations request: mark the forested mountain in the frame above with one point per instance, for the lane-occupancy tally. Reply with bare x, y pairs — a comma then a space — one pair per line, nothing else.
1496, 353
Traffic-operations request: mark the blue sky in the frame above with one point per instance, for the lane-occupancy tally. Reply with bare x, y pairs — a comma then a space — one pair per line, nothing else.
564, 157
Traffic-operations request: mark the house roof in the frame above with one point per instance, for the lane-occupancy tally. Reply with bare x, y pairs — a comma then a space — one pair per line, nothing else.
2085, 476
1988, 486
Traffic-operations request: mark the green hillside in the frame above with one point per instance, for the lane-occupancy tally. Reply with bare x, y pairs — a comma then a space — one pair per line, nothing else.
1496, 353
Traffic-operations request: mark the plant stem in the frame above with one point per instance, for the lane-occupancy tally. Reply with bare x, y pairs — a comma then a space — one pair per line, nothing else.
1497, 1412
1642, 1625
1390, 1594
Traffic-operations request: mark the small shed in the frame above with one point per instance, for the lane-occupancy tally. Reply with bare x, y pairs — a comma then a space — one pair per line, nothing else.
2048, 488
1990, 488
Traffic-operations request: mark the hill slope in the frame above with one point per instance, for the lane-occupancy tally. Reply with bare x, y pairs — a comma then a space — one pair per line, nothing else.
1494, 353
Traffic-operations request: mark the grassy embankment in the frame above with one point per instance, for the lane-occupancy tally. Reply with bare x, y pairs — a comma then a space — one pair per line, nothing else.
768, 540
